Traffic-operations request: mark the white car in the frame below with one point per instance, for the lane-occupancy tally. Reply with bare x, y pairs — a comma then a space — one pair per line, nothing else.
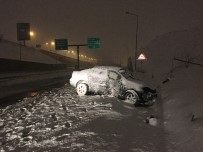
112, 80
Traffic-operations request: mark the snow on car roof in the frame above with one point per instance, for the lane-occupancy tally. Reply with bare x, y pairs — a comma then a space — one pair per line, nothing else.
114, 68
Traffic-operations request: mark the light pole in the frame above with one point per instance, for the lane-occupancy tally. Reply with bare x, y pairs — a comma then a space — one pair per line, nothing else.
129, 13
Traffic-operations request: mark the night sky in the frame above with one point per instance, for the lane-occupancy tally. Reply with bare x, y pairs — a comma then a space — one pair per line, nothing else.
77, 20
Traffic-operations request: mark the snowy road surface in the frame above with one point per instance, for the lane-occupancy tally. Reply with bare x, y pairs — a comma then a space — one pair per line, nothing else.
15, 83
59, 120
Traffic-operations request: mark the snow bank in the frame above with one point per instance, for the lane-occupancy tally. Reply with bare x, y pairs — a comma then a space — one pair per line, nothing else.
183, 104
11, 50
181, 91
186, 44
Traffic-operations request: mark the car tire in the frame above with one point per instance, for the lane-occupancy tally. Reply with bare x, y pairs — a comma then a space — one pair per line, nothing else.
131, 97
82, 89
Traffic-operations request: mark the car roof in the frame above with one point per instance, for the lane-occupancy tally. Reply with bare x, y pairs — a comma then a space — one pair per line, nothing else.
113, 68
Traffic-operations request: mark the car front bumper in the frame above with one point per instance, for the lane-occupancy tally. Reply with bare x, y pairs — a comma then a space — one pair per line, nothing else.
149, 96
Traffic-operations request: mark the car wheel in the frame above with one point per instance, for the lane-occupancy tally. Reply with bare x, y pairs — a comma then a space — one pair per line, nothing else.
82, 89
131, 98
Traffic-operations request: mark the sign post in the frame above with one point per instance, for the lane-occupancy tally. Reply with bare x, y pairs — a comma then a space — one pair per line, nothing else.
92, 43
23, 34
78, 54
62, 44
141, 58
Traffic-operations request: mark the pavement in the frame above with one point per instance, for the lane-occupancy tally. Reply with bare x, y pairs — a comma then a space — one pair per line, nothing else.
13, 83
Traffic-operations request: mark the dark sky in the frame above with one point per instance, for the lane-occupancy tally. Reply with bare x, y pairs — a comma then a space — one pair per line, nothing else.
77, 20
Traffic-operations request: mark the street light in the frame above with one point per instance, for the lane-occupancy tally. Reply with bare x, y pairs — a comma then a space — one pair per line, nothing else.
129, 13
32, 33
52, 43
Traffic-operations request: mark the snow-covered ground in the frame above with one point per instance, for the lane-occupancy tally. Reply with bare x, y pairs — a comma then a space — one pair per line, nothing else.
47, 121
183, 109
60, 120
182, 96
182, 103
11, 50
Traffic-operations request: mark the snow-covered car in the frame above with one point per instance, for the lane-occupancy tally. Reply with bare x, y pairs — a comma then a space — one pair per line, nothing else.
112, 80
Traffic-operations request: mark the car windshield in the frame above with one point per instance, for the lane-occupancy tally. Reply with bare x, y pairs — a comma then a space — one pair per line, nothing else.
126, 74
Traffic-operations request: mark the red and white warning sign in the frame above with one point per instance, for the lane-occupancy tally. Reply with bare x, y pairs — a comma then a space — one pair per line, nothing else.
142, 57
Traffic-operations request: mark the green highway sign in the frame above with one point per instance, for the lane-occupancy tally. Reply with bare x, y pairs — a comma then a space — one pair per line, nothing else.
23, 31
61, 44
93, 43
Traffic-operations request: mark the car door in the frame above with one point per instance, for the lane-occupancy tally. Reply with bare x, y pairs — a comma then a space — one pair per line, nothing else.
114, 83
97, 79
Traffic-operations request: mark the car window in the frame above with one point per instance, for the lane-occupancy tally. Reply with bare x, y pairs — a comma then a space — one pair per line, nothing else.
97, 76
113, 75
128, 76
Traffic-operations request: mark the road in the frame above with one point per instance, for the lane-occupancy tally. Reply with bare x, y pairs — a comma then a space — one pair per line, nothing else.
58, 120
15, 83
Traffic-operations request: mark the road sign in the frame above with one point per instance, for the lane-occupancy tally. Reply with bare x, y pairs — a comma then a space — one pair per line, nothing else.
23, 31
61, 44
93, 43
142, 57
